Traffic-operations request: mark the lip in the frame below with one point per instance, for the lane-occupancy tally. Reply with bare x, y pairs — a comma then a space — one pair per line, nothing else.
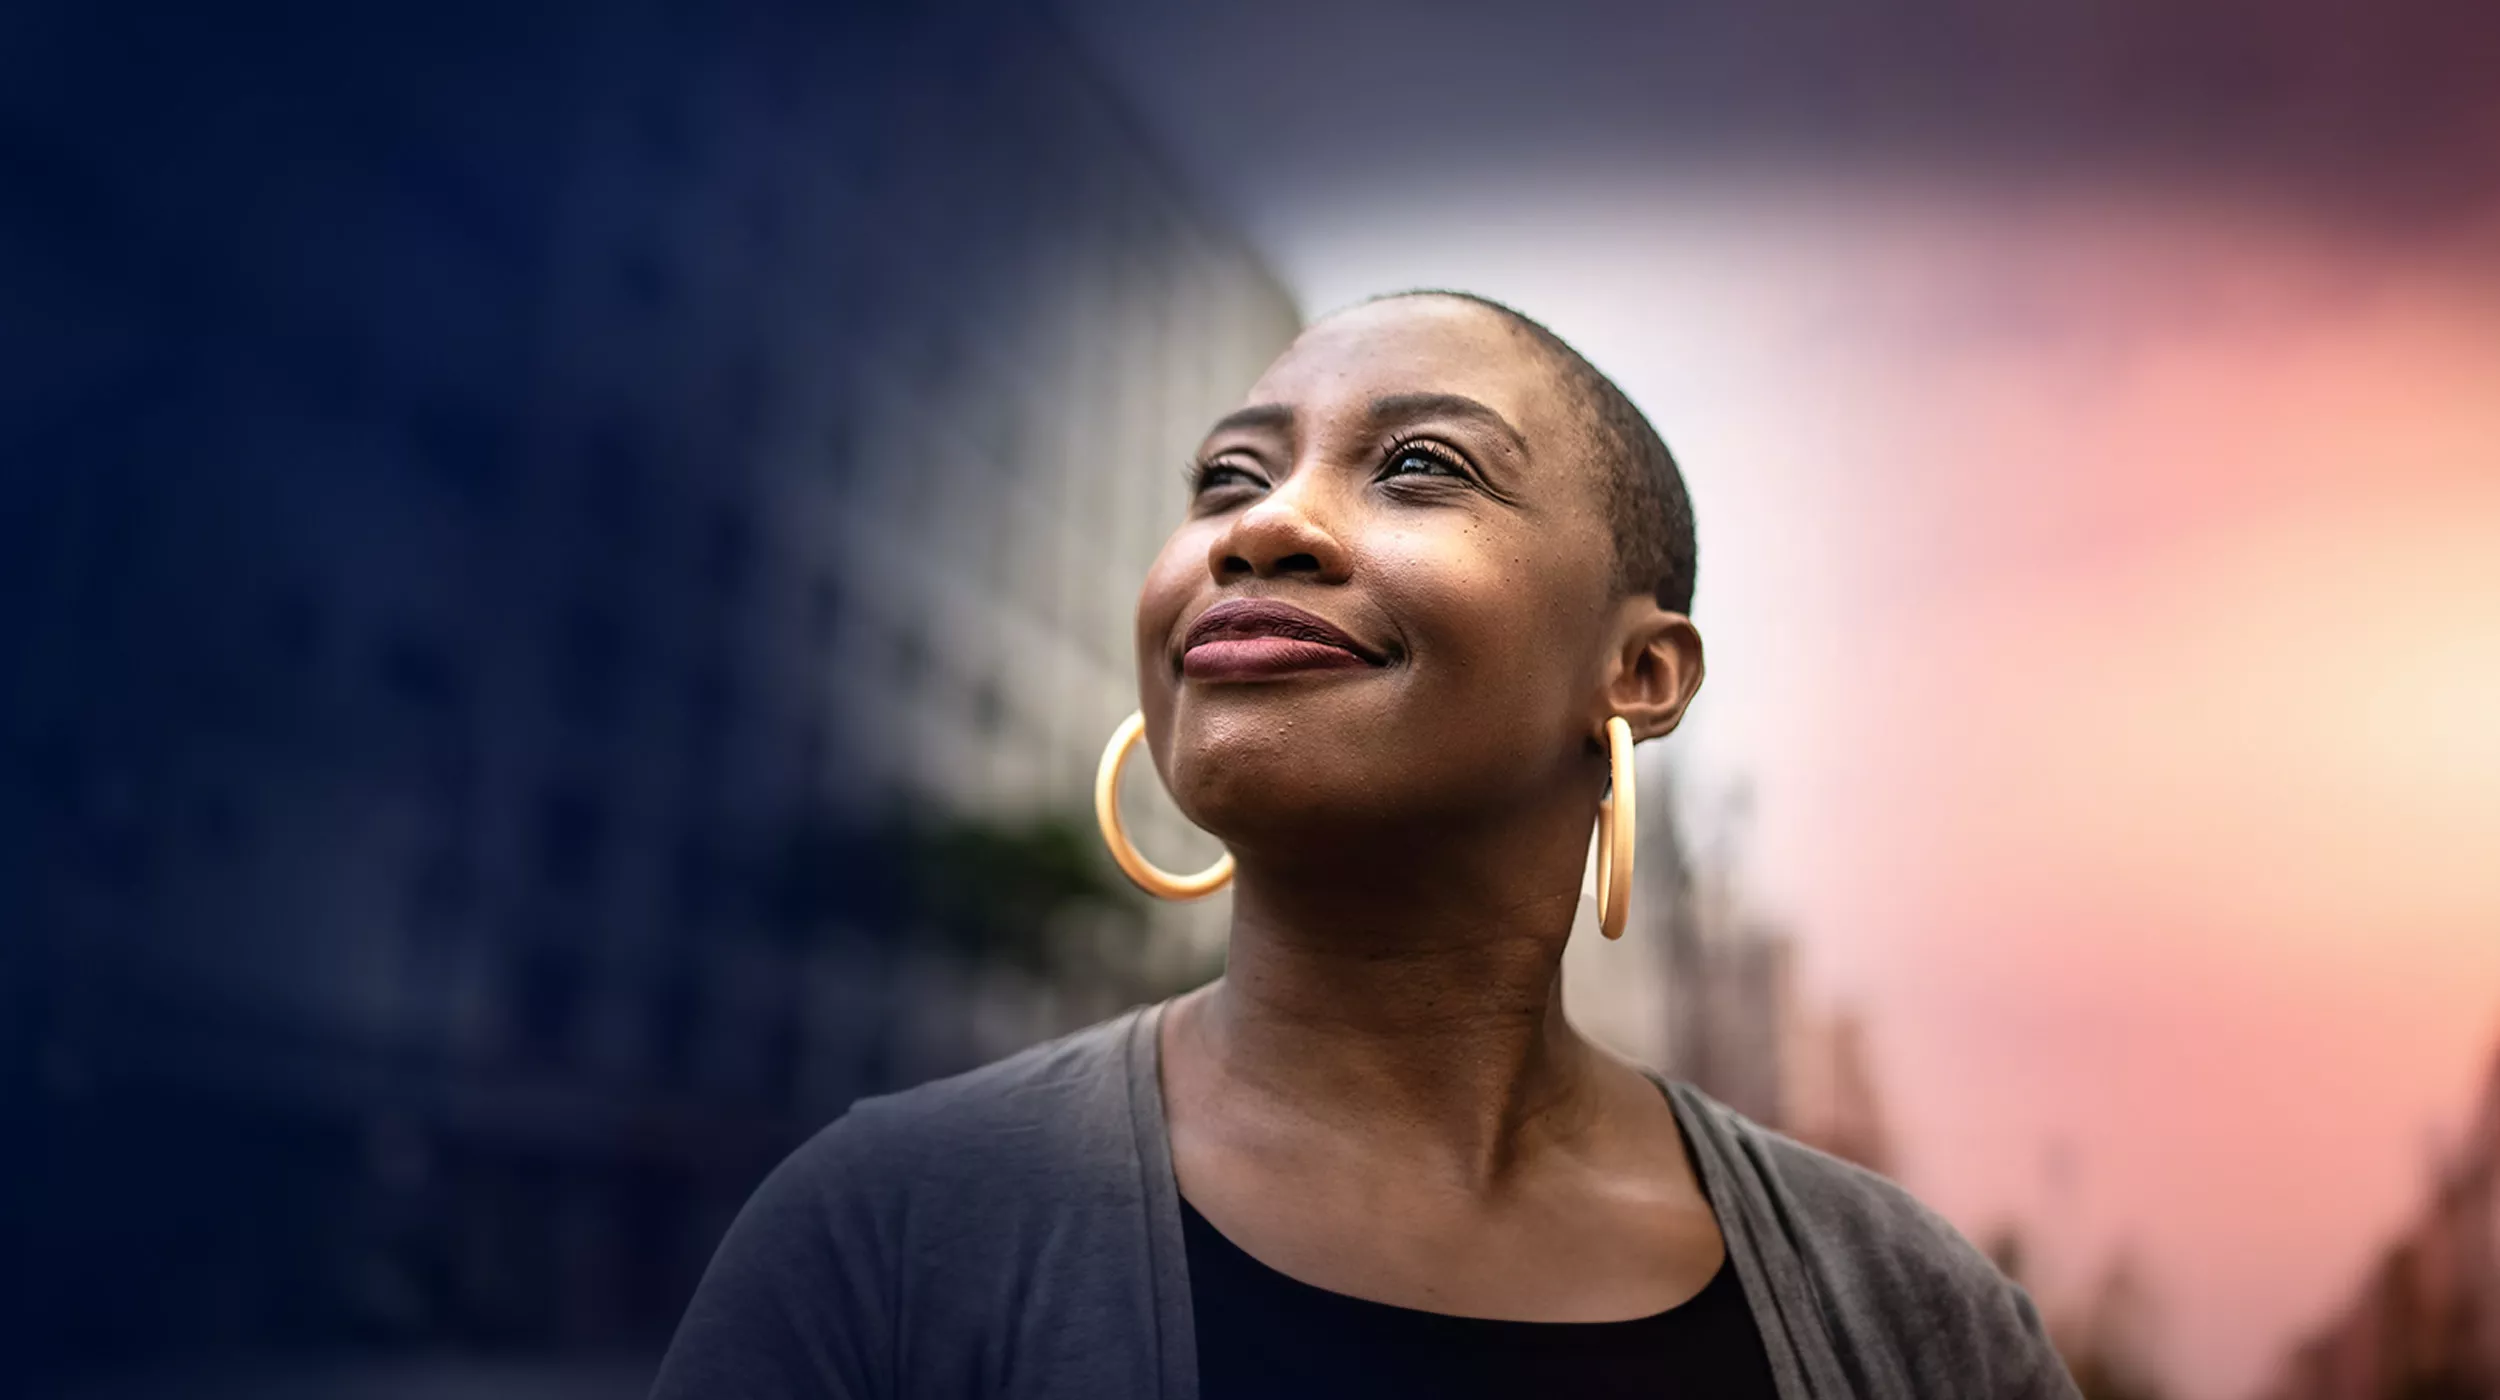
1259, 638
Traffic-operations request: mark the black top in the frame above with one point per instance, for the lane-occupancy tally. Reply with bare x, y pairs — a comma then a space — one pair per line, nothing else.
1265, 1336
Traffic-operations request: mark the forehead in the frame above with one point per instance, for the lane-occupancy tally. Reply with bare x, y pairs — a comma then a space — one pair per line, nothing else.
1422, 344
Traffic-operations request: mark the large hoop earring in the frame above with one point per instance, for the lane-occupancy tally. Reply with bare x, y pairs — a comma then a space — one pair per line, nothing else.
1160, 883
1615, 819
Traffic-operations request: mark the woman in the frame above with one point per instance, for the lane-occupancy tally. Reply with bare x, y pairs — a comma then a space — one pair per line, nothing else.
1432, 584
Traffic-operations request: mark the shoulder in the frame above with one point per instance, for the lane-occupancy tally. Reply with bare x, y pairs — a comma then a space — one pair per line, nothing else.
855, 1258
1063, 1092
1904, 1293
1863, 1220
1044, 1117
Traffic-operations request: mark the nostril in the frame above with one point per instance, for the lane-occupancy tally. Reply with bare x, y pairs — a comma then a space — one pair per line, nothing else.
1298, 564
1234, 566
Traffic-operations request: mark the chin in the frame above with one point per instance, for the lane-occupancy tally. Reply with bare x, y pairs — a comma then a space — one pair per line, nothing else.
1243, 771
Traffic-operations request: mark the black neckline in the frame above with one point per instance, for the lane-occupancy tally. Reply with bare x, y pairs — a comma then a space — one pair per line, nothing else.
1249, 1268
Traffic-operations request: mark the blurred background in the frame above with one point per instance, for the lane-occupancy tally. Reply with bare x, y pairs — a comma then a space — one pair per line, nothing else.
564, 570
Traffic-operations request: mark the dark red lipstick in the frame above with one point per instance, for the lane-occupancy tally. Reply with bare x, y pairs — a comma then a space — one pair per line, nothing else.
1261, 639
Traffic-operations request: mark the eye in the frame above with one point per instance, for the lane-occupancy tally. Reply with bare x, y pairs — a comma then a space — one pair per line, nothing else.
1221, 475
1422, 459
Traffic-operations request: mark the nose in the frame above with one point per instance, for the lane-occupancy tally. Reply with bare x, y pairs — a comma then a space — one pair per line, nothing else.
1285, 534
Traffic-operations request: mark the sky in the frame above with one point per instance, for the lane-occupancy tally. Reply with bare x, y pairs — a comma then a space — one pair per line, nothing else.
2093, 421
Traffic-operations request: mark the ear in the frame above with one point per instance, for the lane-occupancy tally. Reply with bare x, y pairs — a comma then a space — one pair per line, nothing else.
1655, 671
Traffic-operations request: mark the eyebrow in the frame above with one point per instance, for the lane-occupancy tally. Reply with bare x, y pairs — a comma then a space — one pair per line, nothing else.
1278, 418
1389, 407
1258, 417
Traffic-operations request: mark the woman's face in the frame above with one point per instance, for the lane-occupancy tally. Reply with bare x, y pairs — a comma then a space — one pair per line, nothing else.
1393, 595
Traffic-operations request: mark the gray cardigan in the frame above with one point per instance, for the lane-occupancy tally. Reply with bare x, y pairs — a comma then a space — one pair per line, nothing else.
1016, 1231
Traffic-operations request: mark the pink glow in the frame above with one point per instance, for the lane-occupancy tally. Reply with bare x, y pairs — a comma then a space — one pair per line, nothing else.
2104, 599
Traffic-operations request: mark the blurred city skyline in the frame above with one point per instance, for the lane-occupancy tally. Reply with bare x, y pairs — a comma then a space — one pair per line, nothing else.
582, 568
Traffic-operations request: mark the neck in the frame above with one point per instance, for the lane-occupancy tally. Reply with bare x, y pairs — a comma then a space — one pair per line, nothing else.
1416, 999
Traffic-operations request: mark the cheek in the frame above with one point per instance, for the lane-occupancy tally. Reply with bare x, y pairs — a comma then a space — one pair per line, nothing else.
1488, 620
1168, 584
1496, 691
1174, 578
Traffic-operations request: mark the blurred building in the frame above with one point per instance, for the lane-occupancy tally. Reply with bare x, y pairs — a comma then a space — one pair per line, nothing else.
1733, 1016
1830, 1095
2426, 1322
1704, 988
1740, 1027
518, 480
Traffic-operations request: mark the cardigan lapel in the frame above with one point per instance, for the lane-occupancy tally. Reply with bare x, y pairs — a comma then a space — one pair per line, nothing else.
1804, 1364
1167, 1262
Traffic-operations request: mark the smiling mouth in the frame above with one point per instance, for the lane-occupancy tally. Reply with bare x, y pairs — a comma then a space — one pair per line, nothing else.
1256, 639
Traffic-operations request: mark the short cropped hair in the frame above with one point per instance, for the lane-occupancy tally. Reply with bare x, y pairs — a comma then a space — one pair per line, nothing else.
1655, 551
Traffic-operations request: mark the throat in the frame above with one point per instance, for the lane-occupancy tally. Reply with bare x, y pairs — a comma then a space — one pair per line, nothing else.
1409, 996
1453, 1069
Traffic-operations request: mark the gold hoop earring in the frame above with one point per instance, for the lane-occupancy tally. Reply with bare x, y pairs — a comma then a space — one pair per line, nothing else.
1615, 819
1160, 883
